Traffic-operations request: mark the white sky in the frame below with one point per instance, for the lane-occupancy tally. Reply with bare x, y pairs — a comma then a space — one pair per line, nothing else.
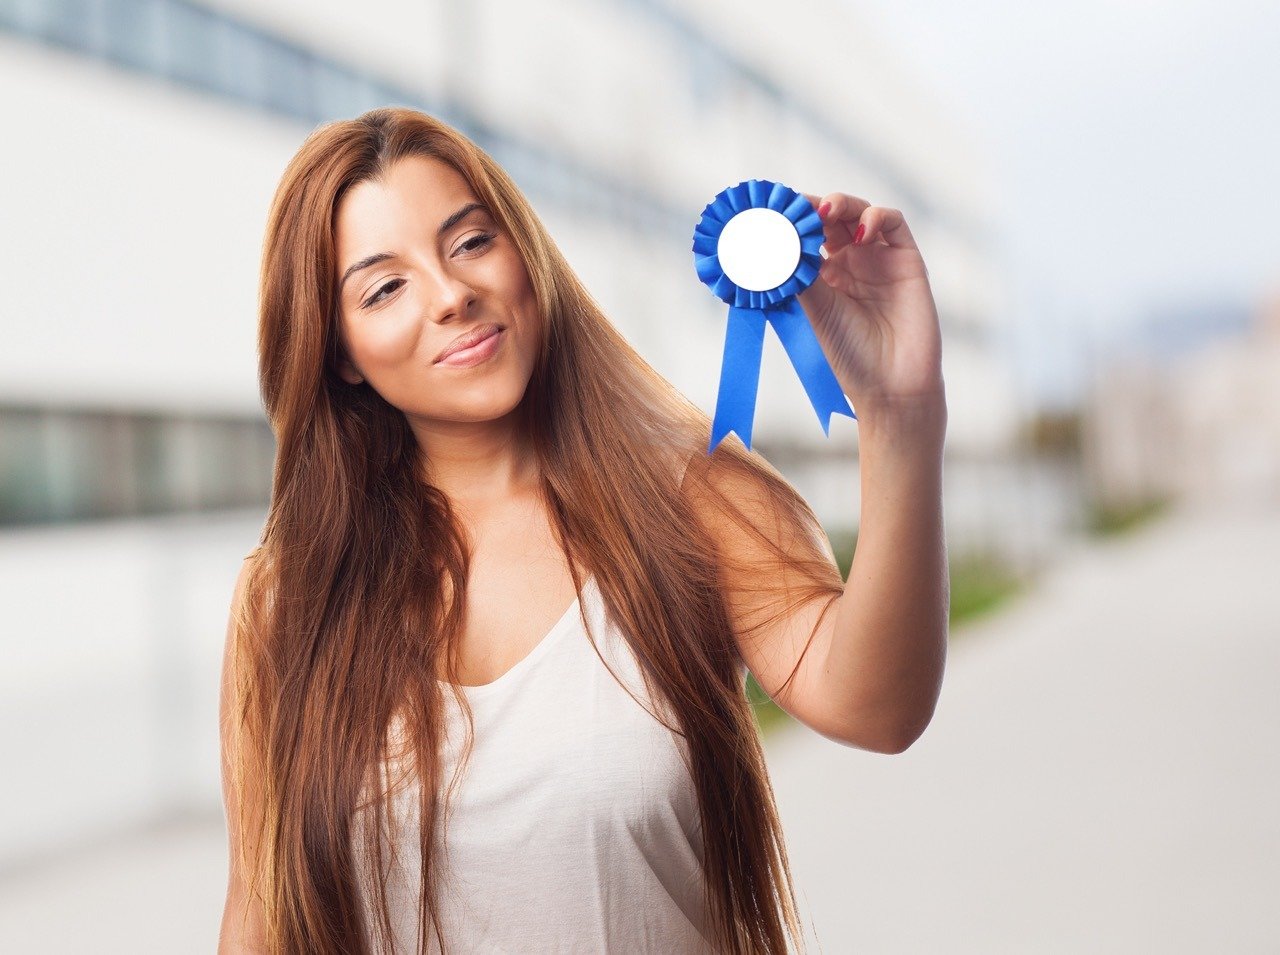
1139, 143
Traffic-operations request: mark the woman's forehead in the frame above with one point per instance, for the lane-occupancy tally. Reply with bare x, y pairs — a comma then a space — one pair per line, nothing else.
417, 182
414, 198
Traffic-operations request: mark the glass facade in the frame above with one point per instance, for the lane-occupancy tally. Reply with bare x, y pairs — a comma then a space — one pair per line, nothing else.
212, 52
60, 465
205, 49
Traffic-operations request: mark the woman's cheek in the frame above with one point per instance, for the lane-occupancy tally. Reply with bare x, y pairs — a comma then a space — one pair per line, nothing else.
391, 341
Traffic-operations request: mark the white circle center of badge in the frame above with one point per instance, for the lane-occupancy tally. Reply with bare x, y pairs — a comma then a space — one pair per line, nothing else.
759, 249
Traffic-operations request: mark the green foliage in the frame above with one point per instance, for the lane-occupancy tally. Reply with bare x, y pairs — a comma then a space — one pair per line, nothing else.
769, 714
843, 544
978, 585
1108, 520
1053, 433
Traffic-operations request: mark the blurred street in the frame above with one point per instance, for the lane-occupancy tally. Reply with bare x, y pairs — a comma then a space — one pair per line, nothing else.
1100, 776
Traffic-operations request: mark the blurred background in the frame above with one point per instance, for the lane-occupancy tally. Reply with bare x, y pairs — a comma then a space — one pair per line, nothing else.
1093, 189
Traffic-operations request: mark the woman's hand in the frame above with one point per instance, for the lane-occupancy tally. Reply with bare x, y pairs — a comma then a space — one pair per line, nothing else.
872, 309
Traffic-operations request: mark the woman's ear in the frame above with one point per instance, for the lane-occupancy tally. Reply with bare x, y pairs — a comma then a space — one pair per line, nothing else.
347, 372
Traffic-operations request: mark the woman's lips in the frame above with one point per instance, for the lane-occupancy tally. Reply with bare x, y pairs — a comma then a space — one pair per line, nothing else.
477, 353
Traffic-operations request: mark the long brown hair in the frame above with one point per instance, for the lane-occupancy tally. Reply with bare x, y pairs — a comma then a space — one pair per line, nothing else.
358, 587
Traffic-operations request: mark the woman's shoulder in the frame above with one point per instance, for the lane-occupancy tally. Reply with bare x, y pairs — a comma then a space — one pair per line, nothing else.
753, 512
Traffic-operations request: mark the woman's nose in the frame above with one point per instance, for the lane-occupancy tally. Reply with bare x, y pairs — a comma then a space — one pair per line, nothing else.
449, 297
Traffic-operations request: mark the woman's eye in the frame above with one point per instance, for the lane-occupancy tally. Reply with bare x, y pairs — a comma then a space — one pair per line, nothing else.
376, 297
477, 242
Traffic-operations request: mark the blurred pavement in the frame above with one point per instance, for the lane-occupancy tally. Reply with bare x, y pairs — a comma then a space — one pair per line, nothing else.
1101, 775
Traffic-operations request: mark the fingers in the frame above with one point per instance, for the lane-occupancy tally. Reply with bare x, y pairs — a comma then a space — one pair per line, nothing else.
835, 225
880, 224
888, 226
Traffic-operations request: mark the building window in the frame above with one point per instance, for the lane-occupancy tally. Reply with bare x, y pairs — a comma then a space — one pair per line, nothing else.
61, 465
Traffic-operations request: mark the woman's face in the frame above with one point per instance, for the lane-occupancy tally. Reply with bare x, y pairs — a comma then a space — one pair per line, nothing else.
420, 263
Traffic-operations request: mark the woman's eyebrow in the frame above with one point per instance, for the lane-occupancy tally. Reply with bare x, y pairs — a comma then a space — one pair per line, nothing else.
364, 264
457, 217
452, 220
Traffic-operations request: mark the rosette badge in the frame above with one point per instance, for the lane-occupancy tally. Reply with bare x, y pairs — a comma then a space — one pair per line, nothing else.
756, 247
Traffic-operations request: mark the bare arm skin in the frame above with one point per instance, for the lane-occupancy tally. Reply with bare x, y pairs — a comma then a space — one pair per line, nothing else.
885, 653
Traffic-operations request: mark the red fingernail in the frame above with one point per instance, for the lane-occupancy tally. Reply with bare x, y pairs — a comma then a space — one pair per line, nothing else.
857, 236
824, 209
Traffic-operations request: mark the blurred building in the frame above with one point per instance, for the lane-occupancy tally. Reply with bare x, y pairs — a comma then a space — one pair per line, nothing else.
1194, 414
145, 140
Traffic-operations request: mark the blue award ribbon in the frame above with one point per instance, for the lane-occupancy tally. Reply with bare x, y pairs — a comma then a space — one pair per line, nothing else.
750, 311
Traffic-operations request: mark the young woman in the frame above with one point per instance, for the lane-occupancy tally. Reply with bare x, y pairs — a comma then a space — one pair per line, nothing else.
423, 749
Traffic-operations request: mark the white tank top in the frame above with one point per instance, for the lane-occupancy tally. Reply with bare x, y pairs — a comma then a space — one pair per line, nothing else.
575, 824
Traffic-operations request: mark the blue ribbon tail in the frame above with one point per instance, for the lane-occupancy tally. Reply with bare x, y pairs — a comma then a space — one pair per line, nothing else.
739, 376
792, 325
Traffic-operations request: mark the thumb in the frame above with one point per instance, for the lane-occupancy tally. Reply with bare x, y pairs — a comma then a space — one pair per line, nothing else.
818, 300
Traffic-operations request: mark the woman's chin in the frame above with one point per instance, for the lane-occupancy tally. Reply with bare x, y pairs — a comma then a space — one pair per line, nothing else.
485, 401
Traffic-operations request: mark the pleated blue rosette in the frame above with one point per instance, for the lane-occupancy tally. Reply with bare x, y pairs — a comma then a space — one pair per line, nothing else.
750, 311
